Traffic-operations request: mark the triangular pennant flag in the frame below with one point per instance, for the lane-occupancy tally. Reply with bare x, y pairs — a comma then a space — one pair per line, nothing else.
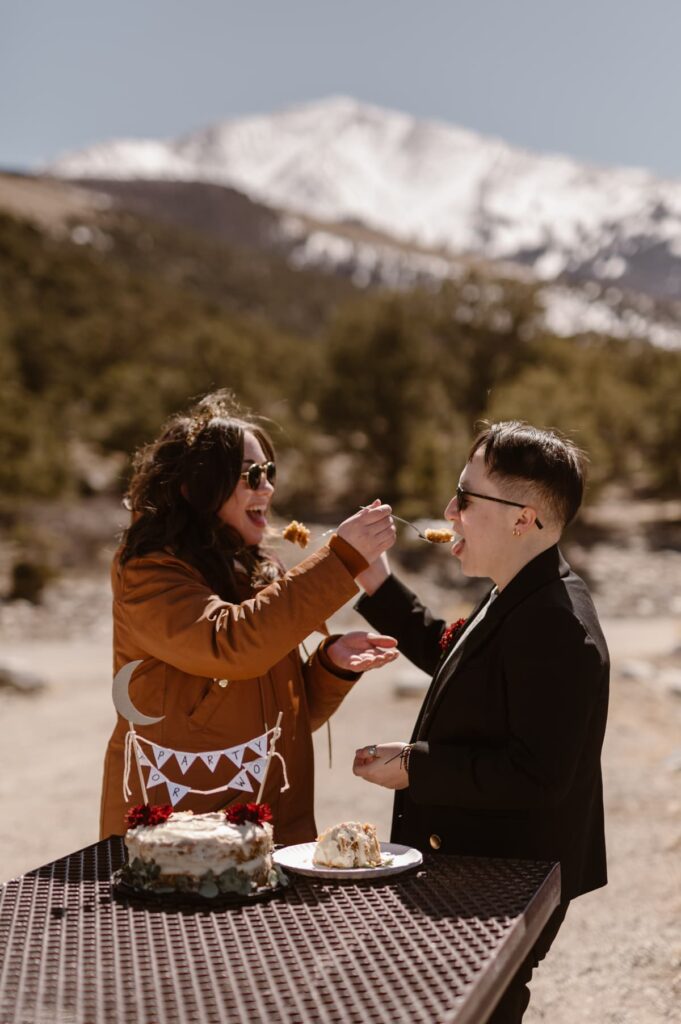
184, 760
259, 745
161, 754
236, 754
211, 758
256, 768
155, 778
241, 781
176, 791
142, 757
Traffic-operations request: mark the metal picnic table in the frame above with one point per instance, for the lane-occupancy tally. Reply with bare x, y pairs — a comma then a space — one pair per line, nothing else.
437, 944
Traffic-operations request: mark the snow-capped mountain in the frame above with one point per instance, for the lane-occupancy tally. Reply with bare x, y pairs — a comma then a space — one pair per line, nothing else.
428, 183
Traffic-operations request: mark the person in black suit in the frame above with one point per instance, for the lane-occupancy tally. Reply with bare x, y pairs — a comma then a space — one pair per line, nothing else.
504, 760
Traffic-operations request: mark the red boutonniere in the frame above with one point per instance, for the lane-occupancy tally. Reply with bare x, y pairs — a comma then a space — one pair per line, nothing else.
450, 634
239, 814
144, 814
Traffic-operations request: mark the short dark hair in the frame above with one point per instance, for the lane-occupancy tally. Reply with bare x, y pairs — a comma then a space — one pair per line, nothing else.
553, 465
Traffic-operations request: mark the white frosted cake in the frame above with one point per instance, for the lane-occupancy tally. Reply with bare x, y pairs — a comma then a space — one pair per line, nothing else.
201, 853
348, 845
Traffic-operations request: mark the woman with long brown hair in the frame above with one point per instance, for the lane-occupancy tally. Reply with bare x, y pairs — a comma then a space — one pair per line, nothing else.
216, 622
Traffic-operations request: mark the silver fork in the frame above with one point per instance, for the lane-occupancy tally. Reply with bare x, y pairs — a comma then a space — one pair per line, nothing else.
399, 519
406, 523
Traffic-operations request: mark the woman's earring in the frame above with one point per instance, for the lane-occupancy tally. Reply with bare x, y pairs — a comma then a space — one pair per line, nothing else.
516, 533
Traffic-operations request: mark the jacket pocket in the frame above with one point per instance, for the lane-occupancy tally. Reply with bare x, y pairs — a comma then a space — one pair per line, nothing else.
213, 698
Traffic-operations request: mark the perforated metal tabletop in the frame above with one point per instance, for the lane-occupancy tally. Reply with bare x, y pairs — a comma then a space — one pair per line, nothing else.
435, 945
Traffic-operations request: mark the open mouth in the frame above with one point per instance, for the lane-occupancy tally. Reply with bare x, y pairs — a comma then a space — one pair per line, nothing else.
458, 545
257, 515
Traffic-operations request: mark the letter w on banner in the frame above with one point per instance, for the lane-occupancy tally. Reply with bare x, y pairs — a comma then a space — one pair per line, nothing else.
241, 781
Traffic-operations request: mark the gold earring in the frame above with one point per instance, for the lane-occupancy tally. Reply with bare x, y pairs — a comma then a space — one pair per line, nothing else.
516, 533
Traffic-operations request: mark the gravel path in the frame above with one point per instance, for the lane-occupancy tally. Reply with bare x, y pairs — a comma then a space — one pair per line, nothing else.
618, 957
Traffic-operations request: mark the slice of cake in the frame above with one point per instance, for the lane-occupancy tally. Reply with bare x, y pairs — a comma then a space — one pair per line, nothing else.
348, 845
178, 851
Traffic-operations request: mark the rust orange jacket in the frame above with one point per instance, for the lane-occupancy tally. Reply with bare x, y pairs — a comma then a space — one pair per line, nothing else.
219, 674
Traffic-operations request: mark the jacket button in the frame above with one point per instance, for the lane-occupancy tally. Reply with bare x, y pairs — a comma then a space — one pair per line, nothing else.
223, 683
435, 841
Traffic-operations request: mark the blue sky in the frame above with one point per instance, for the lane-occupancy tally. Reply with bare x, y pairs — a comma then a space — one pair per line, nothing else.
597, 79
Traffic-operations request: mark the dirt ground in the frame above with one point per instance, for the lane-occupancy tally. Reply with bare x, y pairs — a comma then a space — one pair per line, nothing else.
617, 959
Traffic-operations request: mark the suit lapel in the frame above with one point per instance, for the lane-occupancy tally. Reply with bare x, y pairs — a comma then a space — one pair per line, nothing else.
444, 667
547, 566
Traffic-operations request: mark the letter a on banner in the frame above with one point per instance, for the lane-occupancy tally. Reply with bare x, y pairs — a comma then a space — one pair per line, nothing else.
241, 781
184, 760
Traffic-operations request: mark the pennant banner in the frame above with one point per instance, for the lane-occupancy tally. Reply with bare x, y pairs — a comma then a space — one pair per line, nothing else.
211, 757
153, 757
241, 781
185, 761
256, 768
259, 745
236, 754
143, 759
250, 770
155, 778
161, 754
176, 791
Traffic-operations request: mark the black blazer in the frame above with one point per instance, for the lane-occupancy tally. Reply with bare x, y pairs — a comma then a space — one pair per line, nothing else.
506, 758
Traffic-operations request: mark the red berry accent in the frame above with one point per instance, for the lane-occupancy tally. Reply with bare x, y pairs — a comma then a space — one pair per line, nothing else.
449, 634
145, 814
239, 814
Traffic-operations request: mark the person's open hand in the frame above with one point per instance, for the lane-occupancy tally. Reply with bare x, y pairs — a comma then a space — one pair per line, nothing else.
359, 651
371, 531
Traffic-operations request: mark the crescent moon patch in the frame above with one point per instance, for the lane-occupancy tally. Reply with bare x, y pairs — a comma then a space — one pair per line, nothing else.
121, 697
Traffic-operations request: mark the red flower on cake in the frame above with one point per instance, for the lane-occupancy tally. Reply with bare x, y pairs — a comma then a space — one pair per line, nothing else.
239, 814
450, 633
146, 814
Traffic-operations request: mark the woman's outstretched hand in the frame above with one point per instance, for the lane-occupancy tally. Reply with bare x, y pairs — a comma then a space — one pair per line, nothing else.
359, 651
371, 531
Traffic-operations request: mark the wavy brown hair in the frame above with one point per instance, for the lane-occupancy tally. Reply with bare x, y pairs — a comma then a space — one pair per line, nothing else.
179, 483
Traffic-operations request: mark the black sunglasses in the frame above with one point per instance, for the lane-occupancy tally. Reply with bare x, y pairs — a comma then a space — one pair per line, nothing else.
253, 474
463, 496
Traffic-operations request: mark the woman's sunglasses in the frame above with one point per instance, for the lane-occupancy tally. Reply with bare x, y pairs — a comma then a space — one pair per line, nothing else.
253, 474
463, 496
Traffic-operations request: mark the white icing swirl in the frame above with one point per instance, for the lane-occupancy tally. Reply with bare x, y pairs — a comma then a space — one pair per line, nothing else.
192, 844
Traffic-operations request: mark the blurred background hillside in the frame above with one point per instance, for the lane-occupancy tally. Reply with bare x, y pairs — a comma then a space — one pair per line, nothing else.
121, 300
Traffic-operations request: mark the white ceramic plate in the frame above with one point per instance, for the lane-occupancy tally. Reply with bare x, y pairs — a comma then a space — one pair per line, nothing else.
395, 858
